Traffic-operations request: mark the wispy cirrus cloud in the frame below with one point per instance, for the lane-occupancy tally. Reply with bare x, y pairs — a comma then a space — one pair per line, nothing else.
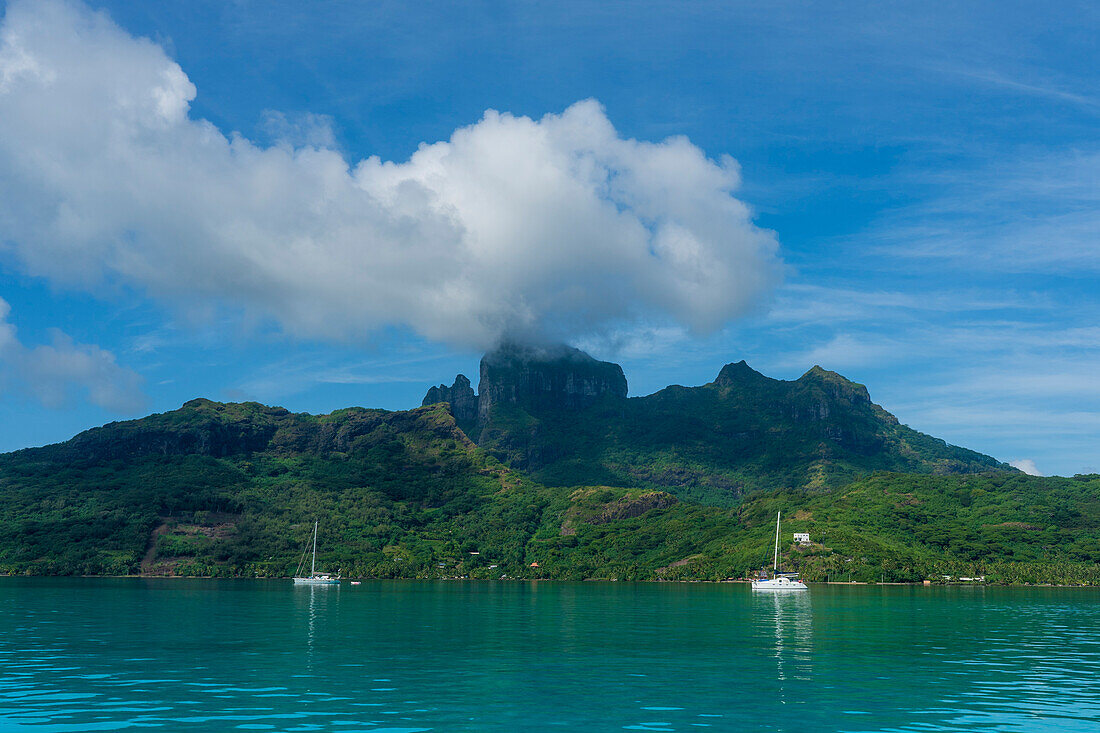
281, 378
1005, 372
1030, 215
1046, 88
803, 305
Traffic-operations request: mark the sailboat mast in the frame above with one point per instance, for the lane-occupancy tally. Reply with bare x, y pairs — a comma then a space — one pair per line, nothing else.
776, 541
313, 565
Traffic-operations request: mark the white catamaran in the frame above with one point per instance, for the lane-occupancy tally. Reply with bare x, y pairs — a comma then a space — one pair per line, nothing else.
780, 581
314, 577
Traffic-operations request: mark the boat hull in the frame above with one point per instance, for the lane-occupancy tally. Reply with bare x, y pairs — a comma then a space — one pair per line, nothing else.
316, 581
781, 585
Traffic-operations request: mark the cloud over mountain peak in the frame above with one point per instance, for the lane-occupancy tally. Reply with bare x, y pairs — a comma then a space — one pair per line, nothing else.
553, 228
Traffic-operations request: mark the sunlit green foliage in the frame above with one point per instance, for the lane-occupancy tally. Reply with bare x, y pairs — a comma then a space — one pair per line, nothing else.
232, 490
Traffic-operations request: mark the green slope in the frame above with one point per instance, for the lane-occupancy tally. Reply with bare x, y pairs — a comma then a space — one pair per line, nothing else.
231, 490
742, 433
229, 486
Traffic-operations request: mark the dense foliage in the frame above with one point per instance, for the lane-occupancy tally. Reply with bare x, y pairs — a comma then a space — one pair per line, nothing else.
232, 490
740, 434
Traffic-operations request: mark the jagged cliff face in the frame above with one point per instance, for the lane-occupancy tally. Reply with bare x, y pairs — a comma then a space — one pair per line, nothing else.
540, 379
533, 379
460, 395
565, 417
820, 405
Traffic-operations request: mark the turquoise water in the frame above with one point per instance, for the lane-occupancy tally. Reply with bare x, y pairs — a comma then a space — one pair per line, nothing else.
108, 654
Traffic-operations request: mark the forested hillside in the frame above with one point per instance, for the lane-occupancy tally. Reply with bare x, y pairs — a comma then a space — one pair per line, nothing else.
232, 490
566, 420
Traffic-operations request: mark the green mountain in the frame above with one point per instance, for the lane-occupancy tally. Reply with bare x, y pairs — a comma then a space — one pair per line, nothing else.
565, 419
229, 485
232, 489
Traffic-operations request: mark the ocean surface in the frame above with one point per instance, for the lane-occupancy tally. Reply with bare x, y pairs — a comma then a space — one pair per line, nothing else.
200, 655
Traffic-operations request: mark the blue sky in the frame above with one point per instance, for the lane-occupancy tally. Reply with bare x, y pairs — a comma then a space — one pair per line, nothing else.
923, 184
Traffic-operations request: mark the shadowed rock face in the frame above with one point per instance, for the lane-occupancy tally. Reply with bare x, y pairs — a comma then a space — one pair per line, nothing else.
545, 378
564, 417
536, 379
461, 397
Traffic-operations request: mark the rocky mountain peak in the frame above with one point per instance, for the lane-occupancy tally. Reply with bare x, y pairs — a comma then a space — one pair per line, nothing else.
535, 378
737, 373
460, 395
546, 377
835, 385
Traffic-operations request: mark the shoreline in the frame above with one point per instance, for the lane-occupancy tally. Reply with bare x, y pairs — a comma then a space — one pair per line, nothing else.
348, 581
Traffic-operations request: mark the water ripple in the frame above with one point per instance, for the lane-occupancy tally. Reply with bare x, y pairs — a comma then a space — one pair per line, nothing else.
82, 655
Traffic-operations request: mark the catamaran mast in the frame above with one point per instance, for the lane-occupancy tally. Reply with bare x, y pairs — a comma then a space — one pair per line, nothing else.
313, 565
776, 541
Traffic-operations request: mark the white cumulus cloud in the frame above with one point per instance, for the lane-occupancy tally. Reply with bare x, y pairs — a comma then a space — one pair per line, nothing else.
1026, 465
54, 373
556, 227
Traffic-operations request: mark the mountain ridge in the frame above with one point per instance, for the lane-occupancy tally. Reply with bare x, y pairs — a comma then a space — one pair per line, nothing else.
680, 484
566, 420
741, 432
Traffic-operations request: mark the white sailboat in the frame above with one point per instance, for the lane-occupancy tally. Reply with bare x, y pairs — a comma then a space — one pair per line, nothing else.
780, 581
314, 577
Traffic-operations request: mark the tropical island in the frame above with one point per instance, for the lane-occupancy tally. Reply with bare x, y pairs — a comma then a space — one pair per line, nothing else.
549, 471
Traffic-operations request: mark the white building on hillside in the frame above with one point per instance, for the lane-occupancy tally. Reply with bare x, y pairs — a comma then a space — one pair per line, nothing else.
802, 538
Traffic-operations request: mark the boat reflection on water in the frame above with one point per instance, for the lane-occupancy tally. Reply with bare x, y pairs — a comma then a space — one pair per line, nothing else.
313, 602
789, 616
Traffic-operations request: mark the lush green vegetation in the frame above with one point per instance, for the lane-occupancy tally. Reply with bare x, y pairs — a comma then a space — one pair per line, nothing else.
740, 434
231, 490
904, 527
